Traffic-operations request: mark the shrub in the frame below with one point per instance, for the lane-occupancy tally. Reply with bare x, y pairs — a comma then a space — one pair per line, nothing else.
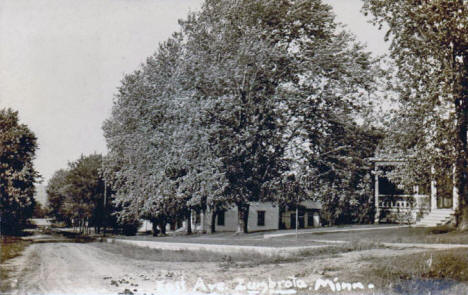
442, 229
130, 229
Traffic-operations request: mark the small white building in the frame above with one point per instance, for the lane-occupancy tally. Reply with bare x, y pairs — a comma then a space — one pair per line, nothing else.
263, 216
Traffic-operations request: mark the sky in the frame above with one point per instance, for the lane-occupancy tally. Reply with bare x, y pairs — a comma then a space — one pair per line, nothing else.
61, 62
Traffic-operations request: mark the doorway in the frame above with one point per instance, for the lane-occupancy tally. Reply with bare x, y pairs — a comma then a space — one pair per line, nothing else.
444, 202
300, 219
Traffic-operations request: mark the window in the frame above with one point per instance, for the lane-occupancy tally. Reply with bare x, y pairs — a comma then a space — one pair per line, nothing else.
260, 218
221, 218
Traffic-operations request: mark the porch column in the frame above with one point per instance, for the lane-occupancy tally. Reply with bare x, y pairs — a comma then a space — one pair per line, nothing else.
416, 197
433, 190
455, 195
416, 189
376, 190
193, 219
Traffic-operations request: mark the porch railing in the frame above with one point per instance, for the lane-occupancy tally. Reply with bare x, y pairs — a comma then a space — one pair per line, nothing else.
403, 208
409, 202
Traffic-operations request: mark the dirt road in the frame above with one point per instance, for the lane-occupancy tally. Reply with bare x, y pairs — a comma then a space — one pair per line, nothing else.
87, 268
76, 268
91, 268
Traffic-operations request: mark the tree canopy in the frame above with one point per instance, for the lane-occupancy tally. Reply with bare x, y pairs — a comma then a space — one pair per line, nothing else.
429, 46
76, 195
18, 145
246, 94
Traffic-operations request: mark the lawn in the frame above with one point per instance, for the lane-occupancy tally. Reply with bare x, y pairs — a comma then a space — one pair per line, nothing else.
431, 272
202, 256
253, 239
443, 235
237, 259
10, 247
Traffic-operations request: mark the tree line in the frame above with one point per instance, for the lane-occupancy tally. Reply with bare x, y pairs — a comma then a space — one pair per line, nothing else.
265, 101
78, 197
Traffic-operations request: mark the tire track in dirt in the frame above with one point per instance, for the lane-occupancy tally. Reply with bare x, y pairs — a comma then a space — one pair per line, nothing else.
77, 268
69, 268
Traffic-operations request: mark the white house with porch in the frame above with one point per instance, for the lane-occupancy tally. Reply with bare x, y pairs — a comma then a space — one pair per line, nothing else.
420, 207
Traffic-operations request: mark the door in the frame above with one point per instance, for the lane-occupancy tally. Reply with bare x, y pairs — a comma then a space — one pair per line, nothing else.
293, 220
444, 191
300, 219
444, 202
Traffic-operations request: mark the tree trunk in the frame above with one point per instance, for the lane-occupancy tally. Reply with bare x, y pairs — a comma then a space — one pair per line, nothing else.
213, 221
189, 223
203, 215
243, 218
461, 181
154, 227
162, 225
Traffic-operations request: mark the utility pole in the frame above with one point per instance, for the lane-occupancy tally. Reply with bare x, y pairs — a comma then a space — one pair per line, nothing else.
105, 207
297, 213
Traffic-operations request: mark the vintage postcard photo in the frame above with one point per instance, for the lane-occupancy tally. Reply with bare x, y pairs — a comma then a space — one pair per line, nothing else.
233, 147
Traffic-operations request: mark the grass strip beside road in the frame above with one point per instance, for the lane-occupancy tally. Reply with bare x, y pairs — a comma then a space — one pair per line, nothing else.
10, 247
436, 235
228, 259
430, 272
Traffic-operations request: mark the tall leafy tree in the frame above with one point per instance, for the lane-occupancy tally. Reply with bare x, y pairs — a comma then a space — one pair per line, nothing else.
236, 67
18, 145
85, 191
155, 140
76, 194
56, 196
214, 117
429, 45
279, 79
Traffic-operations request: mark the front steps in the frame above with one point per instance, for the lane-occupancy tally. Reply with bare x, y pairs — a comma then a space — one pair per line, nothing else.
437, 217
